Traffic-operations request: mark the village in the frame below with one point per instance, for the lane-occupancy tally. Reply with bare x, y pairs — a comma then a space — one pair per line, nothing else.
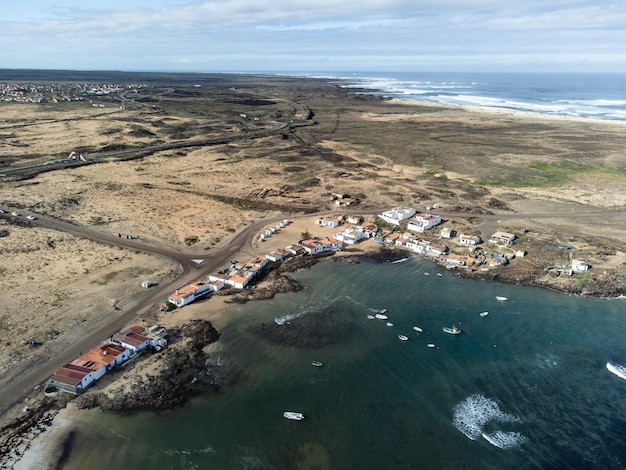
398, 227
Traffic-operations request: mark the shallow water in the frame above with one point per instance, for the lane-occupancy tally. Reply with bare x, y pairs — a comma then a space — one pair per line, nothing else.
527, 386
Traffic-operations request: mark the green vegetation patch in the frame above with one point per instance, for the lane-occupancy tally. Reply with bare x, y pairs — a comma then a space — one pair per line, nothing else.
545, 174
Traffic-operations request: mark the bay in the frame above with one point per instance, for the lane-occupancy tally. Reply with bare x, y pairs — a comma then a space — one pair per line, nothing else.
525, 386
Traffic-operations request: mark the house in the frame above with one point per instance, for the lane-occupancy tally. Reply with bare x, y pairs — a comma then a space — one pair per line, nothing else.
423, 222
72, 378
397, 214
354, 219
579, 266
447, 232
274, 256
216, 284
502, 238
132, 340
314, 247
237, 281
189, 293
102, 359
294, 250
351, 235
436, 250
469, 239
327, 222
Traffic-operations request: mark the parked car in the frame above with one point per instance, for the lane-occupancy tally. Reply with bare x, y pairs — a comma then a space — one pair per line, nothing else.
1, 211
31, 217
15, 214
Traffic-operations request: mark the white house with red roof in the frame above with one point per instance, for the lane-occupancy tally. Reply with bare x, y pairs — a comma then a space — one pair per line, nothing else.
189, 293
423, 222
316, 246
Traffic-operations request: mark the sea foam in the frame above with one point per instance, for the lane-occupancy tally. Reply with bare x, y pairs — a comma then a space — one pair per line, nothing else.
475, 412
618, 370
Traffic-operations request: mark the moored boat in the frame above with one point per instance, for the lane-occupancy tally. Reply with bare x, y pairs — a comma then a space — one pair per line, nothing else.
380, 316
293, 415
418, 329
499, 297
484, 314
431, 345
317, 364
389, 323
371, 317
403, 338
453, 331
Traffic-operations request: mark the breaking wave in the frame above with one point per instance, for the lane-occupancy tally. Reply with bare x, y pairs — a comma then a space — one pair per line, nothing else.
475, 412
505, 440
618, 370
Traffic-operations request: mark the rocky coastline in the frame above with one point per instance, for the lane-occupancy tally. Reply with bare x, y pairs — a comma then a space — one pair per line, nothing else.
188, 368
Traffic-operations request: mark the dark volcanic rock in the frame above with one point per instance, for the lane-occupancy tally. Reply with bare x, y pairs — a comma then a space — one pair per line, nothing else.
188, 371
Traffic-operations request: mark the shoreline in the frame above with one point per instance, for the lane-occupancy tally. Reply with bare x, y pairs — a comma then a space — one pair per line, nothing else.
510, 112
42, 444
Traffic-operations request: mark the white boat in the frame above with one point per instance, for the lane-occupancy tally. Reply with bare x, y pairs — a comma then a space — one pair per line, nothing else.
293, 415
499, 297
384, 310
418, 329
317, 364
389, 323
484, 314
380, 316
439, 274
431, 345
371, 317
403, 338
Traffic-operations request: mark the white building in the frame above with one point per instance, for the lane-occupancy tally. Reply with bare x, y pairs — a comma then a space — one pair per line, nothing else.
469, 239
579, 266
397, 214
423, 222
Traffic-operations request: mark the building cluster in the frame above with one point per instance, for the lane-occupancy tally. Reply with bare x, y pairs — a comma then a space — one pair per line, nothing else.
76, 376
56, 92
408, 223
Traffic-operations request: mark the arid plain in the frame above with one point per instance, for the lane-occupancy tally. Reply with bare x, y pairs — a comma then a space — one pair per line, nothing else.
159, 168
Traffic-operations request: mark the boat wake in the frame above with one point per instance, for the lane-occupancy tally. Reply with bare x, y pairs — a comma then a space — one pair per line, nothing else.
290, 316
472, 415
618, 370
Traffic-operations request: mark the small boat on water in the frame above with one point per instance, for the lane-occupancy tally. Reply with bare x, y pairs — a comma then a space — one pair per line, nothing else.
403, 337
389, 323
371, 317
293, 415
317, 364
380, 316
431, 345
384, 310
453, 331
418, 329
484, 314
501, 298
439, 274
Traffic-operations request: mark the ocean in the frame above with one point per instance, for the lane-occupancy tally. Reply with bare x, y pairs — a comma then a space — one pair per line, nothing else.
591, 95
539, 381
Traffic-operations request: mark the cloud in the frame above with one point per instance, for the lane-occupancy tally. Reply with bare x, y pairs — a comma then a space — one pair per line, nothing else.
363, 30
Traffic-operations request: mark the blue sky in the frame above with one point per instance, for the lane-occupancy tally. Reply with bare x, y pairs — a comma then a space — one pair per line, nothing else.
315, 35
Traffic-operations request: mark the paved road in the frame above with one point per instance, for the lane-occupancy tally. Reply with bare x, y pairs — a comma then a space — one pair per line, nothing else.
191, 271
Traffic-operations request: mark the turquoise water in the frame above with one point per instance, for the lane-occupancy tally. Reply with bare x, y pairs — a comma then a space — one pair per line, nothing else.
525, 386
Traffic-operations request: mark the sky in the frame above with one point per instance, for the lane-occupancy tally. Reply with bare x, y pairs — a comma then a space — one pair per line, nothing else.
315, 36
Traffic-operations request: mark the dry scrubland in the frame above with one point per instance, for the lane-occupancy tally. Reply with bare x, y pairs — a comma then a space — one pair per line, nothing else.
58, 287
